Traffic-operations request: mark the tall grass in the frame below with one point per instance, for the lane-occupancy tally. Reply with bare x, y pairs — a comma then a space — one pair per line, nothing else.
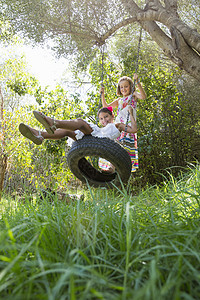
113, 245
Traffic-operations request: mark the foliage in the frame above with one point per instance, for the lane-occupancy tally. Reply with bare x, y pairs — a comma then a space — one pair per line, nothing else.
168, 125
168, 121
115, 245
27, 164
6, 34
160, 120
81, 26
16, 81
56, 19
43, 166
189, 12
109, 74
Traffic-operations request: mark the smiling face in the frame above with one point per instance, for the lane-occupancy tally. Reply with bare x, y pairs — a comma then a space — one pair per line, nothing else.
105, 118
125, 88
122, 83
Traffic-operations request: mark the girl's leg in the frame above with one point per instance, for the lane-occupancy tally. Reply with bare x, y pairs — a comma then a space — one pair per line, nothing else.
37, 136
72, 125
58, 134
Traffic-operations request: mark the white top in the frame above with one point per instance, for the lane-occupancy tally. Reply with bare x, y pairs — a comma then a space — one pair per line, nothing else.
122, 115
109, 131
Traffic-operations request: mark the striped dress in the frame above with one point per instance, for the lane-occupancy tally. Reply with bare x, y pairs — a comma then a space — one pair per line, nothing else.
128, 140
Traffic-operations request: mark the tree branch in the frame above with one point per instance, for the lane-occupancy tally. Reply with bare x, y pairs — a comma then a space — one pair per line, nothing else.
76, 31
171, 5
121, 24
190, 35
181, 49
154, 11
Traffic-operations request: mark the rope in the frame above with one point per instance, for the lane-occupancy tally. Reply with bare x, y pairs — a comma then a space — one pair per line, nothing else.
133, 89
102, 77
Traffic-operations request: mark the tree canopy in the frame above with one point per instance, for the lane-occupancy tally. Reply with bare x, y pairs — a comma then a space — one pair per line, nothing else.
81, 25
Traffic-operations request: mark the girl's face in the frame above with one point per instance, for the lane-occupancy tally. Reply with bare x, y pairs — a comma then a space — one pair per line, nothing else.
105, 118
125, 88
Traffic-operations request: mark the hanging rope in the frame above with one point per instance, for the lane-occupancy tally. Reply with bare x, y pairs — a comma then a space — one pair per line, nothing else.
136, 69
102, 76
138, 55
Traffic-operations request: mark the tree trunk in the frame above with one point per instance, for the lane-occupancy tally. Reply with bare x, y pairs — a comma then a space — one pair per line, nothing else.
183, 46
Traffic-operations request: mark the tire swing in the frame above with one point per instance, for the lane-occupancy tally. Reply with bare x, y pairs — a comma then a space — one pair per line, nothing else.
82, 157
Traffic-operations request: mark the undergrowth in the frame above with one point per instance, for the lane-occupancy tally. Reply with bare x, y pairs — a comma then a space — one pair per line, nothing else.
112, 245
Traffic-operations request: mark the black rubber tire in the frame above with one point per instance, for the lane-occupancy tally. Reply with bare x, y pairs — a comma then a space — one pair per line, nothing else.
99, 147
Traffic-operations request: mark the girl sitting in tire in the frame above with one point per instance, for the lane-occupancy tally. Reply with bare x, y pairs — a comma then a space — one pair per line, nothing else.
76, 129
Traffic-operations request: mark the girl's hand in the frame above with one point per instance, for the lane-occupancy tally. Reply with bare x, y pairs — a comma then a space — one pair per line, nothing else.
130, 109
135, 77
101, 91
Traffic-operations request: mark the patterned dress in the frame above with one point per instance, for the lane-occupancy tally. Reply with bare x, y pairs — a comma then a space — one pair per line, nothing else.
128, 140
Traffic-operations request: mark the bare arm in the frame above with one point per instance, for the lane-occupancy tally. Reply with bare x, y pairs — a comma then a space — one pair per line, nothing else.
133, 127
141, 95
104, 103
130, 129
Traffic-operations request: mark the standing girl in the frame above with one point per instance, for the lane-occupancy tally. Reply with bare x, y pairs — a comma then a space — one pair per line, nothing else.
129, 96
